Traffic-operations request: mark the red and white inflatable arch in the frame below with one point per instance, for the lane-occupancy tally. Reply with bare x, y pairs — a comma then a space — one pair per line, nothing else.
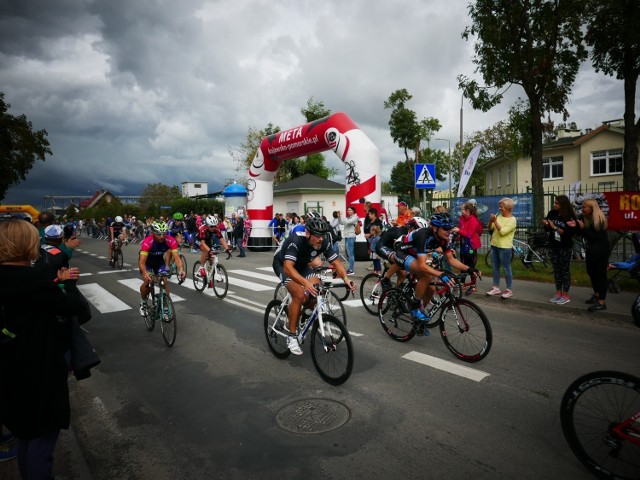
336, 132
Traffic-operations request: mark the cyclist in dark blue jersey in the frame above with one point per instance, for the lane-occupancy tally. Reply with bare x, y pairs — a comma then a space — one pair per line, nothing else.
293, 263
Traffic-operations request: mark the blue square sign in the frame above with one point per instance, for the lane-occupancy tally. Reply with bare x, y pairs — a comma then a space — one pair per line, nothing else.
425, 175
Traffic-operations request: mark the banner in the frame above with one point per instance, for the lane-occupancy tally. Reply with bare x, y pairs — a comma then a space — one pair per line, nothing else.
469, 165
621, 208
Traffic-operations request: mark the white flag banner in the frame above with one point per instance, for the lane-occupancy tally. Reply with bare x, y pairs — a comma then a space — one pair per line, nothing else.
573, 191
469, 165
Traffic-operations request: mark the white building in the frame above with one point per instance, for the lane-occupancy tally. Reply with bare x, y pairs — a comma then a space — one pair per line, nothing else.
193, 189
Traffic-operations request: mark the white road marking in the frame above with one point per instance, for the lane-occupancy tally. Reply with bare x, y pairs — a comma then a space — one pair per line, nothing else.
247, 273
445, 366
134, 284
354, 302
256, 287
104, 301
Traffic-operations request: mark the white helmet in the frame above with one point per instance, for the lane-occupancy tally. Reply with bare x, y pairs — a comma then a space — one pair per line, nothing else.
119, 219
210, 221
418, 222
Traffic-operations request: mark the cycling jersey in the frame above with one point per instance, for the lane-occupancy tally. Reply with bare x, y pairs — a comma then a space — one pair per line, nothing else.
118, 227
174, 228
385, 245
209, 237
420, 242
154, 251
297, 249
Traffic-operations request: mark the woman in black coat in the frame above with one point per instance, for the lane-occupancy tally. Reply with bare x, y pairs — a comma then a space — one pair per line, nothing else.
34, 336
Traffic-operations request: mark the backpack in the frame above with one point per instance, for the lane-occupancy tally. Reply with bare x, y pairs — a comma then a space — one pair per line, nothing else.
358, 229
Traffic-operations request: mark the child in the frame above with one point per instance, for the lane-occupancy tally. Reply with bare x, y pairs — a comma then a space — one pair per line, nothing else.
375, 232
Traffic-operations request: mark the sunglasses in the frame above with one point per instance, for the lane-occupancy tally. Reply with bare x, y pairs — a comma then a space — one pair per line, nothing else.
446, 229
317, 235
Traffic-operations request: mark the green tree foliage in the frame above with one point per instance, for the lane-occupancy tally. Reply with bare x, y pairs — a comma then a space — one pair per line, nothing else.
156, 195
613, 33
314, 110
536, 44
20, 147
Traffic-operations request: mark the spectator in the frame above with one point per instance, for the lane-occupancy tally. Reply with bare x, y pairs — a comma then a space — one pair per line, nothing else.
238, 234
371, 220
502, 228
34, 395
560, 246
593, 228
375, 233
470, 229
44, 220
404, 215
349, 235
336, 234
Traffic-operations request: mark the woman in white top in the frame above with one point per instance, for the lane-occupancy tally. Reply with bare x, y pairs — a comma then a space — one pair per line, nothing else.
349, 235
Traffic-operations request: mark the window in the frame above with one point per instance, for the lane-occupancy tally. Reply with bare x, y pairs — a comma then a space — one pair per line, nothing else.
606, 162
314, 206
552, 168
490, 175
509, 174
499, 178
197, 185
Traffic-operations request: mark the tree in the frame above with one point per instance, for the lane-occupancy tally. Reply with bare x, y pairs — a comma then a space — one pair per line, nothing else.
614, 37
156, 195
20, 147
536, 44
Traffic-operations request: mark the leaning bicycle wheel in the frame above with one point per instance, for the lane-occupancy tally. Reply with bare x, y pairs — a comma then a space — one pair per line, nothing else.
199, 282
220, 281
370, 292
465, 330
332, 350
168, 321
596, 416
395, 315
118, 259
275, 320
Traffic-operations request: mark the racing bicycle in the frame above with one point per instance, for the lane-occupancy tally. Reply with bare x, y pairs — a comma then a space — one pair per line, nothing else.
215, 274
161, 310
331, 347
533, 257
173, 268
464, 327
117, 258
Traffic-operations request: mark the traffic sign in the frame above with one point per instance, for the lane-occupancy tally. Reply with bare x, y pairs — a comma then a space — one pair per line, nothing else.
425, 175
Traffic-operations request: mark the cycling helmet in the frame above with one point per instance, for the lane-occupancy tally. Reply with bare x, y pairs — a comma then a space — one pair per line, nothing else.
313, 214
210, 221
118, 219
417, 222
159, 228
317, 226
177, 216
441, 220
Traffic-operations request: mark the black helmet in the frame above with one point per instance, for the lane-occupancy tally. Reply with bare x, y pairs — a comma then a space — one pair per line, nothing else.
441, 220
317, 226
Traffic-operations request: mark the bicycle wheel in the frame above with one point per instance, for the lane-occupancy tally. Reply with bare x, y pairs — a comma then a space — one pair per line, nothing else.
370, 292
333, 306
332, 350
220, 281
595, 416
465, 330
118, 259
168, 321
487, 257
199, 282
150, 317
275, 318
184, 266
395, 315
281, 292
342, 293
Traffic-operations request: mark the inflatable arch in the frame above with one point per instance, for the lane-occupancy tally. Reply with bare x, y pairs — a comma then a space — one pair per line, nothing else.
336, 132
34, 213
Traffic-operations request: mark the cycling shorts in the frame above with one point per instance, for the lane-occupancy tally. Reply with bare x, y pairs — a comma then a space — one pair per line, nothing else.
156, 270
279, 271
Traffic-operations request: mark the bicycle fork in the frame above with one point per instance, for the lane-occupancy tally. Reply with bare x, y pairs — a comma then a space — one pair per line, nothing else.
461, 323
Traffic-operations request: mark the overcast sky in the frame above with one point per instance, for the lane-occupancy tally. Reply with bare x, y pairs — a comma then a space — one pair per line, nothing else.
133, 92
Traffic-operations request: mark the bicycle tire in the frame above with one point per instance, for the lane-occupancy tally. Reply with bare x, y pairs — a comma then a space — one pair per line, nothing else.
370, 292
333, 306
344, 295
332, 351
199, 282
465, 330
168, 320
118, 259
591, 407
281, 292
220, 281
395, 316
184, 267
150, 317
277, 343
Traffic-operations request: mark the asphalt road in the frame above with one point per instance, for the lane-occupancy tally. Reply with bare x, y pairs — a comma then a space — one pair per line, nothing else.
220, 405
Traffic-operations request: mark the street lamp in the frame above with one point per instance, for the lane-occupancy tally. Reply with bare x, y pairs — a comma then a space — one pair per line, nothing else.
450, 172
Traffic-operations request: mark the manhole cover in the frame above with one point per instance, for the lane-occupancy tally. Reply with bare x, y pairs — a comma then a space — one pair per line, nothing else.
316, 415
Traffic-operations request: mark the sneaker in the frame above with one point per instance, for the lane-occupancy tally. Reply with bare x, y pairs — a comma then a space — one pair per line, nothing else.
193, 250
369, 269
293, 345
494, 291
144, 308
563, 300
202, 272
8, 451
507, 294
419, 315
555, 299
592, 300
597, 306
349, 272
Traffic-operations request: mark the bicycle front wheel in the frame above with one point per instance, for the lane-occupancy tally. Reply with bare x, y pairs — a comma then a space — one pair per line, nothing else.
395, 315
332, 350
280, 293
595, 414
333, 306
150, 318
118, 259
199, 282
220, 281
275, 320
184, 266
168, 321
465, 330
370, 292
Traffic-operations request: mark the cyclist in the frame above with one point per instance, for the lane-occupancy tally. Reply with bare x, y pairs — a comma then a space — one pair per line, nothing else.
208, 235
152, 259
118, 230
411, 253
385, 249
293, 263
175, 229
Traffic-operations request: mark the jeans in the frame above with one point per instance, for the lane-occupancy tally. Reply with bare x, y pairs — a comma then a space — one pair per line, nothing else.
350, 243
239, 245
336, 247
35, 455
501, 256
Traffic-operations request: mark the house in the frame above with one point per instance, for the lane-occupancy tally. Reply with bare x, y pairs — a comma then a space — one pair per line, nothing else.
194, 189
99, 197
309, 192
593, 158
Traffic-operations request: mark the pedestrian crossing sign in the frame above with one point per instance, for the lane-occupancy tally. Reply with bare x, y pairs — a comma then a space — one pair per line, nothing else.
425, 174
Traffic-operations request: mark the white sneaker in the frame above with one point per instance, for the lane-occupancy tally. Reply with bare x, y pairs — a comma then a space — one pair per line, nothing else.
293, 345
507, 293
555, 299
563, 300
494, 291
144, 309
